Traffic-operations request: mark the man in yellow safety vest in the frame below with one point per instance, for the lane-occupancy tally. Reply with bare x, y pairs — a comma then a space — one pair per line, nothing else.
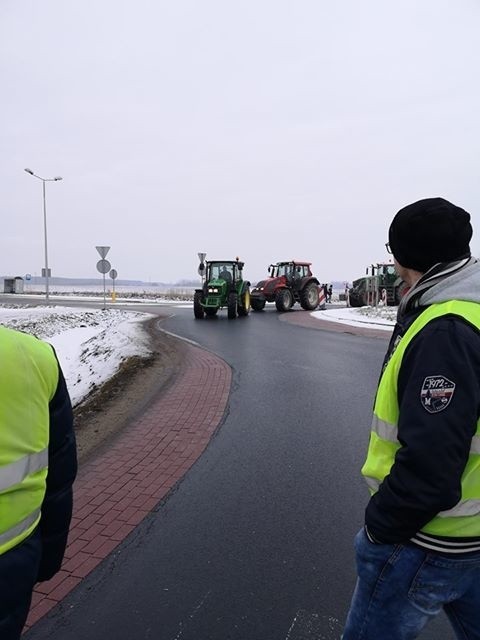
419, 550
38, 465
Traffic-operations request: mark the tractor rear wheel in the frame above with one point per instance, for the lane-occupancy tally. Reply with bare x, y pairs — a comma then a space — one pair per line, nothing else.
257, 305
284, 300
198, 311
309, 297
211, 311
232, 305
244, 303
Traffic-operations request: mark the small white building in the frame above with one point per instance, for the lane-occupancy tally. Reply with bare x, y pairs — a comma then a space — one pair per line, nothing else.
13, 285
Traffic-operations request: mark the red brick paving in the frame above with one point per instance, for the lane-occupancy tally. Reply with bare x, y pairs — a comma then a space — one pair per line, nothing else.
114, 492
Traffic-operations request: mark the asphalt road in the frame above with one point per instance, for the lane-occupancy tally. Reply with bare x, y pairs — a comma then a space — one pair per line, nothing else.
256, 542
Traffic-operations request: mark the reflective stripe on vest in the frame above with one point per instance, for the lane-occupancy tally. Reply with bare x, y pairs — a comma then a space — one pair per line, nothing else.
19, 530
389, 432
17, 471
464, 518
465, 508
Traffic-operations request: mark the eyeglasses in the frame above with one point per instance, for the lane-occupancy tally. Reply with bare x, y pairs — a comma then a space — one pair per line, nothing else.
388, 248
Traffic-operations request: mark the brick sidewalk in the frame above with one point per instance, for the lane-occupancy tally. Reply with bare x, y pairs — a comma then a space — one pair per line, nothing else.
115, 491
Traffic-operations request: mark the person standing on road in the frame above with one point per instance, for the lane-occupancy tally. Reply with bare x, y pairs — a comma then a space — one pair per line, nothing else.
419, 551
38, 465
325, 291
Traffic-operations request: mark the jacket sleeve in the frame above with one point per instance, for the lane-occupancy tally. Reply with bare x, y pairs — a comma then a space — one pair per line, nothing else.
426, 475
62, 469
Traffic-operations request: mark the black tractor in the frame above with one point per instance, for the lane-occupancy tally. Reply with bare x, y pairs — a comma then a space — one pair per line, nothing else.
223, 286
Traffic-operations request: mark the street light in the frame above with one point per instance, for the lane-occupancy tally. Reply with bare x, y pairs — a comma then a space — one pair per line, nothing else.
47, 292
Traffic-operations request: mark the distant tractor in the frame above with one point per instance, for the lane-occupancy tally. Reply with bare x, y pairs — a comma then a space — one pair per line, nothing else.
223, 286
381, 283
288, 283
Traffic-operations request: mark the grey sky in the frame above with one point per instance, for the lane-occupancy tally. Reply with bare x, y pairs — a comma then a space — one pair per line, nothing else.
265, 129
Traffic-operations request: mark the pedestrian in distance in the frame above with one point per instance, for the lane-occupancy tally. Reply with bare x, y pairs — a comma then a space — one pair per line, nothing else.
347, 294
38, 465
330, 292
419, 550
325, 291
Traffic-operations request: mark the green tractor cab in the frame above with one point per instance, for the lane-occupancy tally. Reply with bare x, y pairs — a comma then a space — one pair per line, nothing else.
223, 286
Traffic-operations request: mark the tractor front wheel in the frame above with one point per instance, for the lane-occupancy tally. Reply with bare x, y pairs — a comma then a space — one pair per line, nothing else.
354, 301
284, 300
197, 305
244, 303
232, 305
257, 305
309, 297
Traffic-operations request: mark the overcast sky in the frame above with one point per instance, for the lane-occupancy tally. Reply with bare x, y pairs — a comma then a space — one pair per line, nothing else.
265, 129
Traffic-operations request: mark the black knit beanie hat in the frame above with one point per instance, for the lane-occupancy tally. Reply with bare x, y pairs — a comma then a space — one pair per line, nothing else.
430, 231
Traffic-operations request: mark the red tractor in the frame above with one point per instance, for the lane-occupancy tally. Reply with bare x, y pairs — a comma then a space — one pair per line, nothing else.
288, 282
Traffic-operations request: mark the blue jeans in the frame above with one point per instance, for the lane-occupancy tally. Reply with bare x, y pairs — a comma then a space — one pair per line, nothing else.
401, 587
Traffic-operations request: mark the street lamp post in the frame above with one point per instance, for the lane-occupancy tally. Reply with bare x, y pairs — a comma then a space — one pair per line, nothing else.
44, 180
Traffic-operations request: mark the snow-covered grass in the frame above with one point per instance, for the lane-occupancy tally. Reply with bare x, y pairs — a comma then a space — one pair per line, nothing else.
90, 344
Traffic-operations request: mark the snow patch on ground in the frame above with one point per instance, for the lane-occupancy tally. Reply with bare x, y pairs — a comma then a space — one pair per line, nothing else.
375, 317
90, 344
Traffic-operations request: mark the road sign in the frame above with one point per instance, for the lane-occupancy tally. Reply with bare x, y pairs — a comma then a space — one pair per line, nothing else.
201, 256
103, 266
44, 273
113, 274
201, 269
28, 276
103, 252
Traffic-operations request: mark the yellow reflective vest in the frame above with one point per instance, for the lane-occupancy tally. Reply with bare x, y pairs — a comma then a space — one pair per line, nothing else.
463, 520
28, 381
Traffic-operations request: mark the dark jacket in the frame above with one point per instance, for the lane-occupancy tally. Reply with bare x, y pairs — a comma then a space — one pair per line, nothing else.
62, 469
425, 478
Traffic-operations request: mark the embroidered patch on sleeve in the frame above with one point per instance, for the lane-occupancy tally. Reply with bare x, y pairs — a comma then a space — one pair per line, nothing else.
436, 393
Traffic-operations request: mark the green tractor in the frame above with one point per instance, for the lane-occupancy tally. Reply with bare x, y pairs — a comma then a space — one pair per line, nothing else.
381, 283
223, 286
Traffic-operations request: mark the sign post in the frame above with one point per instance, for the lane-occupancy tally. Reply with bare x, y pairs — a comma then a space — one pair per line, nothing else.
113, 274
103, 266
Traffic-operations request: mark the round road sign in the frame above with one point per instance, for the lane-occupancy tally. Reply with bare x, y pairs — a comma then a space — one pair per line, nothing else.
103, 266
113, 274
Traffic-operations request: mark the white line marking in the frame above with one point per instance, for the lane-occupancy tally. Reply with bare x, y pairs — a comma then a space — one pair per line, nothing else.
175, 335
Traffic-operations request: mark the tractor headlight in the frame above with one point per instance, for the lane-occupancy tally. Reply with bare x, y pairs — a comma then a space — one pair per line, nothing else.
212, 290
